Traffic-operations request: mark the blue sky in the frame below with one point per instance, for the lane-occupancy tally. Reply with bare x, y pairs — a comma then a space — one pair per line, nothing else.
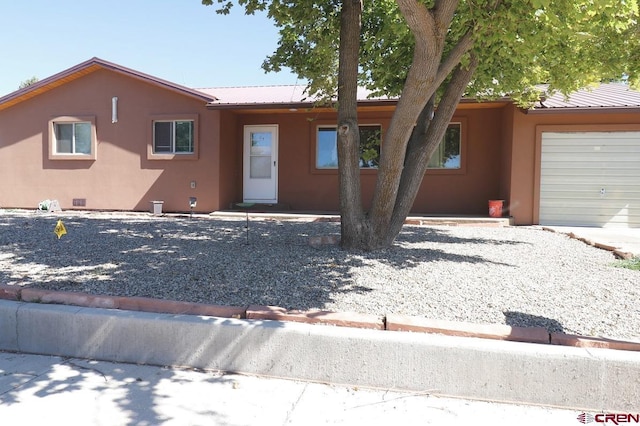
178, 40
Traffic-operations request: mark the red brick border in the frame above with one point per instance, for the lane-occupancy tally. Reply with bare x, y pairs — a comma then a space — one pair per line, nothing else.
36, 295
343, 319
392, 322
465, 329
593, 342
146, 304
10, 292
616, 252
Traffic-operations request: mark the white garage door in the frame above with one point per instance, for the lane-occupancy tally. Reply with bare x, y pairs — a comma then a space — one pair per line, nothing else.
590, 179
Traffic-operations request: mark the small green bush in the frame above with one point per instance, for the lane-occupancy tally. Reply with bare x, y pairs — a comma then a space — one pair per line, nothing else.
630, 264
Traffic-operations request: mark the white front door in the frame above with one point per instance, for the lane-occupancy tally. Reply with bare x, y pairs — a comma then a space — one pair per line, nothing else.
260, 177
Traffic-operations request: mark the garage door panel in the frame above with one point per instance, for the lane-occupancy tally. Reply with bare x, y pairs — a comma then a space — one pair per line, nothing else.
590, 166
552, 173
590, 179
585, 203
605, 214
619, 217
600, 157
591, 220
578, 207
591, 191
592, 150
589, 136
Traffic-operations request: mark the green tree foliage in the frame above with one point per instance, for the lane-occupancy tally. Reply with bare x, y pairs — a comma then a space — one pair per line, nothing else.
28, 82
429, 53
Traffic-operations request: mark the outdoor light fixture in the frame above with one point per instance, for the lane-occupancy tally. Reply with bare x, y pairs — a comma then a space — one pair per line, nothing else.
114, 109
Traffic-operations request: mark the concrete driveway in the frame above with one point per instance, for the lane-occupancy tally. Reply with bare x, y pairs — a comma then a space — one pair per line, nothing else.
625, 240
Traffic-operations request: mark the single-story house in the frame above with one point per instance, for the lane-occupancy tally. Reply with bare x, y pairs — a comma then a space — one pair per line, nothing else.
105, 137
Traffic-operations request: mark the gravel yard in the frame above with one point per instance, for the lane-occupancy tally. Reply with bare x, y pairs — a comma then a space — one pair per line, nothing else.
517, 275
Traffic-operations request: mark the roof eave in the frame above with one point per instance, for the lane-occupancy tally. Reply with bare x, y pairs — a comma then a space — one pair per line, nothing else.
363, 103
293, 105
584, 110
158, 81
43, 85
88, 67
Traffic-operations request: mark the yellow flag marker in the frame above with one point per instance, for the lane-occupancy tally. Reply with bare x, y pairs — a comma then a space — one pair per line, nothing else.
60, 230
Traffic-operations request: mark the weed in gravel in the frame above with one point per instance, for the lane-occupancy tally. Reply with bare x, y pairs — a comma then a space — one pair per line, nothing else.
629, 264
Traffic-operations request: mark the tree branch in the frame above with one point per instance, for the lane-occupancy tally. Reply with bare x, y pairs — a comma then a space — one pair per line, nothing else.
422, 149
444, 10
418, 17
452, 94
422, 124
454, 57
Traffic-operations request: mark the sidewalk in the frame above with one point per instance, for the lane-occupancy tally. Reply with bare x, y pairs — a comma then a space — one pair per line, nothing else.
68, 391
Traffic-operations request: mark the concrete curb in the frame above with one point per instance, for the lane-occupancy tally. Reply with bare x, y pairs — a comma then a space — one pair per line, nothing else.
389, 322
579, 378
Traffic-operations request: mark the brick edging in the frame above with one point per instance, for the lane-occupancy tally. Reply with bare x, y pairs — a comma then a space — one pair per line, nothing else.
624, 255
390, 322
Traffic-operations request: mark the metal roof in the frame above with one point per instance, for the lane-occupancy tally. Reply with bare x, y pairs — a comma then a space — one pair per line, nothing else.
603, 96
606, 95
271, 95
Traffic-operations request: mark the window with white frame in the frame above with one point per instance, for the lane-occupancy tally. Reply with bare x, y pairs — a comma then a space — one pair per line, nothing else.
173, 137
327, 148
449, 151
72, 138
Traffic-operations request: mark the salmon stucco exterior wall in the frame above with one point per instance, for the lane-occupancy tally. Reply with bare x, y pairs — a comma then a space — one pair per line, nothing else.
302, 186
500, 151
122, 176
525, 150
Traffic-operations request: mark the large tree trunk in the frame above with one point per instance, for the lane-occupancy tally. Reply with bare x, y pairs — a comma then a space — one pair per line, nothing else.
428, 134
429, 28
355, 228
402, 162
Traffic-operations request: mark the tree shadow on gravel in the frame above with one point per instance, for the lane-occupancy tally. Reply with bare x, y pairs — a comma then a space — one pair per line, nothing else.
403, 257
419, 234
204, 259
405, 254
201, 260
521, 319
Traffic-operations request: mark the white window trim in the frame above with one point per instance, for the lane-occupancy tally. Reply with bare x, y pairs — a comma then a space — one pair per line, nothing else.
53, 152
173, 137
152, 155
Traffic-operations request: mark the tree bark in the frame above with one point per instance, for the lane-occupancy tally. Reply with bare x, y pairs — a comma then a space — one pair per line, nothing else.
355, 228
405, 151
418, 89
429, 28
425, 140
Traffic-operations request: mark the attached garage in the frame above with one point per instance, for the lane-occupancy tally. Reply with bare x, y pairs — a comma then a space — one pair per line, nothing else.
590, 179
